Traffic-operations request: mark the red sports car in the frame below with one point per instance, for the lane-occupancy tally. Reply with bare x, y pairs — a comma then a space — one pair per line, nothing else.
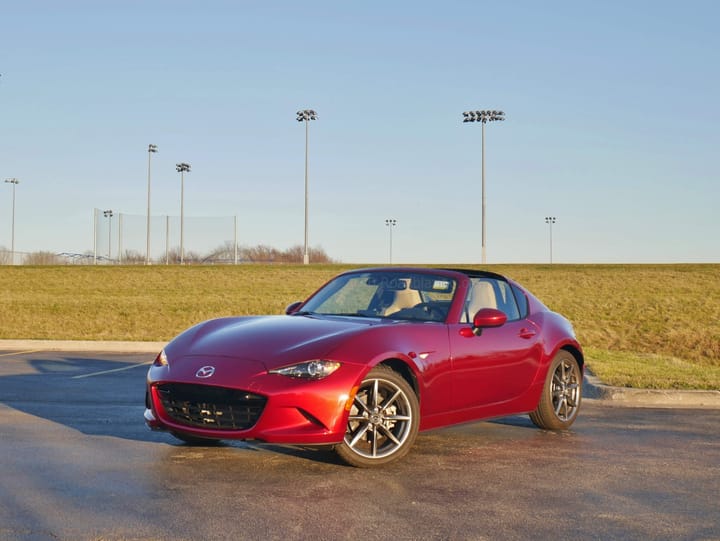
370, 359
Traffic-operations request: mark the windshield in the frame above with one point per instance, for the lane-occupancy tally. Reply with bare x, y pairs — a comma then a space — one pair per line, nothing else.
395, 295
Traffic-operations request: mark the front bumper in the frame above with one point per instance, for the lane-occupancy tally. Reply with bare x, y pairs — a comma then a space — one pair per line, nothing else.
295, 411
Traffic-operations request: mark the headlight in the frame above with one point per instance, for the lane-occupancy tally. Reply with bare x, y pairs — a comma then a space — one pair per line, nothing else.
317, 369
161, 359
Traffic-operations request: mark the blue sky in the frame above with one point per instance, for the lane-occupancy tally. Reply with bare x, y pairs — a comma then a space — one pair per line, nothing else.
611, 124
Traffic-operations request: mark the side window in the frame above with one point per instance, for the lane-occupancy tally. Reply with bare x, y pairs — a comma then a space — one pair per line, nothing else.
506, 301
522, 302
490, 293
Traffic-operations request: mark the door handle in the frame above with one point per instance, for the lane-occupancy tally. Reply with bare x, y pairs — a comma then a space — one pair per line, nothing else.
527, 333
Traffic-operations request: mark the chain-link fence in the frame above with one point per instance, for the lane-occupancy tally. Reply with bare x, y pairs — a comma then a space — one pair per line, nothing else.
120, 238
124, 238
44, 257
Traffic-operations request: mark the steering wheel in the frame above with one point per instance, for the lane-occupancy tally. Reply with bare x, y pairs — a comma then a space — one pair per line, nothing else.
432, 312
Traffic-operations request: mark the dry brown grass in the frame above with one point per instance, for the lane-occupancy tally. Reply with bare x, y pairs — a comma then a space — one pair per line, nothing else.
141, 303
672, 310
659, 320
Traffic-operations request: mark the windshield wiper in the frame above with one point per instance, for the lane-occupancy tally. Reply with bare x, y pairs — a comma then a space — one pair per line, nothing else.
340, 314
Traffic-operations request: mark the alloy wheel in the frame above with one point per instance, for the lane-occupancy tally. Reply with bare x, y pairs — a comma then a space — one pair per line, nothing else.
380, 419
566, 390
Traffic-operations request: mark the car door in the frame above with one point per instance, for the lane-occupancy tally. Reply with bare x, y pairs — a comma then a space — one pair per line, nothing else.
500, 363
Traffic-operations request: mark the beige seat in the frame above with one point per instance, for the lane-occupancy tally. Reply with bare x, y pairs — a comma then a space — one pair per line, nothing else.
482, 295
405, 298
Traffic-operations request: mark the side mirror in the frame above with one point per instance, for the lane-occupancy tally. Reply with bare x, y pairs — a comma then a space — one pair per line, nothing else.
292, 308
487, 318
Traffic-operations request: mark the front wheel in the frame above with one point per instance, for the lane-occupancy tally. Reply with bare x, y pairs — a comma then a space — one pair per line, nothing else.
561, 395
383, 420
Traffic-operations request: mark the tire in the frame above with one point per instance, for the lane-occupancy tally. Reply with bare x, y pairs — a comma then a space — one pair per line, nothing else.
561, 395
383, 420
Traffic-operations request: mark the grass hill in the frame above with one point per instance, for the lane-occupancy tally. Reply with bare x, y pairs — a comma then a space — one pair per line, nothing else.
652, 326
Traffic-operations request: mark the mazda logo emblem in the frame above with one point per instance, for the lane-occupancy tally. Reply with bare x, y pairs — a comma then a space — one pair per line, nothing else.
205, 372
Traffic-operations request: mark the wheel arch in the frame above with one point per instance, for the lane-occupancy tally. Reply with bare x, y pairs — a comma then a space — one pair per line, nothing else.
577, 353
407, 373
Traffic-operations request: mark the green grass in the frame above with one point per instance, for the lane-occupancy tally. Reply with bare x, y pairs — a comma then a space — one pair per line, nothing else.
141, 303
653, 326
651, 371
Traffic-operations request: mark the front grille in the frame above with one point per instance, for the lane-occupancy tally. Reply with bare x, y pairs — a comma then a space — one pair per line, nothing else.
210, 407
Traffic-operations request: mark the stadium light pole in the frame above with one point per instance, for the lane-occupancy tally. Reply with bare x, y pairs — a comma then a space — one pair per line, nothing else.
14, 183
390, 223
182, 168
484, 117
109, 214
151, 149
306, 115
550, 220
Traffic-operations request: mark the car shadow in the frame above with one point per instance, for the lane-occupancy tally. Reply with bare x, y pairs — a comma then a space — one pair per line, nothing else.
104, 395
98, 394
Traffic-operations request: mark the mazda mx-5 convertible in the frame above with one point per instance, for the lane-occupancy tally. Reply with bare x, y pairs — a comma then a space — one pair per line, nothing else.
369, 360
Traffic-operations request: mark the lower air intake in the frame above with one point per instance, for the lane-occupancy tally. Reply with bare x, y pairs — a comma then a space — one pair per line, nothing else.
209, 407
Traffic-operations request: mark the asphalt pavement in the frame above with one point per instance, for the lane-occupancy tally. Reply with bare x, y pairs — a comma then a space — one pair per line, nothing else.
79, 464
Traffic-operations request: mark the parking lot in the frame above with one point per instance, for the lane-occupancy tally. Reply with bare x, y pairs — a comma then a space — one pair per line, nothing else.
78, 463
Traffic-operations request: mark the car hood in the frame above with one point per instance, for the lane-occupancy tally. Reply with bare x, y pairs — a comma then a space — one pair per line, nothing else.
273, 340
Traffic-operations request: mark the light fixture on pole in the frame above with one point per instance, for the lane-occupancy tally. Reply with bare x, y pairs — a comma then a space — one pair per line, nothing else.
109, 214
390, 223
550, 220
306, 115
151, 150
182, 168
14, 183
483, 117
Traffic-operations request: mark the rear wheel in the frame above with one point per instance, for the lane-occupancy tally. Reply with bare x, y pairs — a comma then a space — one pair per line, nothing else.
383, 421
561, 395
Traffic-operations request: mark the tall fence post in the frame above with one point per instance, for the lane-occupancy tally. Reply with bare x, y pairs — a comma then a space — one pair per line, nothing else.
235, 240
120, 246
95, 221
167, 240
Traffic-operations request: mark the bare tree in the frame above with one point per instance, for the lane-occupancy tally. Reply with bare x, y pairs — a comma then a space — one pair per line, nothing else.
43, 258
